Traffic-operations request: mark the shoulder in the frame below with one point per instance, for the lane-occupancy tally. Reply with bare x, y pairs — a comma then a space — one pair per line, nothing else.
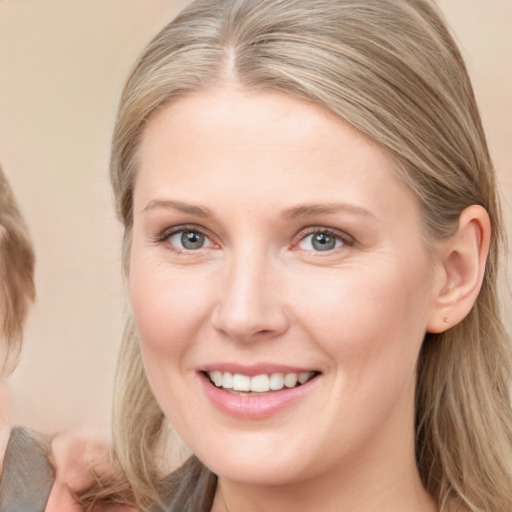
28, 475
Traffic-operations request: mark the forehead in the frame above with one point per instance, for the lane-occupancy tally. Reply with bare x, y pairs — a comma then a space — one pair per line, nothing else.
266, 145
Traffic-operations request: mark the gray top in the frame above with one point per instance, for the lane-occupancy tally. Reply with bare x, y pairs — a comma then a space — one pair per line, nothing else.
28, 476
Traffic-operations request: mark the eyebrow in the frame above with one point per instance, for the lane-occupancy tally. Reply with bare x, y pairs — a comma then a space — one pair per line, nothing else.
178, 206
296, 212
308, 210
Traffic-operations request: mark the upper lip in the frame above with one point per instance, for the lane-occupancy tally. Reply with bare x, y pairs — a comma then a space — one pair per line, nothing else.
255, 369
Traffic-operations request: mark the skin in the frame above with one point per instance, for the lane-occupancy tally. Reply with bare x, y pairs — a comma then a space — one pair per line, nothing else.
259, 292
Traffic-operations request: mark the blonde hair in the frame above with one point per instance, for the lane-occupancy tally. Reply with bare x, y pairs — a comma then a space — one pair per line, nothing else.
391, 69
16, 276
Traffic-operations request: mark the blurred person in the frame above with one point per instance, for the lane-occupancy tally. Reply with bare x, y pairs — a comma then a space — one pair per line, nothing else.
26, 474
28, 459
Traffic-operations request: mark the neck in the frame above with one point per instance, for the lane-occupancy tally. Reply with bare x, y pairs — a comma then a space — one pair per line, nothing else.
5, 429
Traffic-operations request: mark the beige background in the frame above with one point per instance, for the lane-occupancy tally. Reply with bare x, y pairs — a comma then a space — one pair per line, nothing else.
62, 65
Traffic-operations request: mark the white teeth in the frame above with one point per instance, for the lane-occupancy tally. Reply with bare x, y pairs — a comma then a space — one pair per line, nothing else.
241, 382
290, 380
304, 377
259, 383
217, 378
276, 381
227, 382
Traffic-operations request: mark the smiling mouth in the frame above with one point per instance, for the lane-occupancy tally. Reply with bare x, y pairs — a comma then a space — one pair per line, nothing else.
238, 383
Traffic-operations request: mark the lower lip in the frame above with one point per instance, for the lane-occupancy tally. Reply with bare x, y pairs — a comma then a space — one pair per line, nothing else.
255, 407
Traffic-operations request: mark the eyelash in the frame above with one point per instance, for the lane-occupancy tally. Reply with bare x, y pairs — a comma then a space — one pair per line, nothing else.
345, 239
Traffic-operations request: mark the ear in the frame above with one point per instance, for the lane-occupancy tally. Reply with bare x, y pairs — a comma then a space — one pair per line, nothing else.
463, 257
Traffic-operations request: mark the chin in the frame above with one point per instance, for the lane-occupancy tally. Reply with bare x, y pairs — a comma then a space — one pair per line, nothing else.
257, 474
255, 467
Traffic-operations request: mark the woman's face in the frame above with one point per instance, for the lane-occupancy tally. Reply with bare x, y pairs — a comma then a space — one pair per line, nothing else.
280, 285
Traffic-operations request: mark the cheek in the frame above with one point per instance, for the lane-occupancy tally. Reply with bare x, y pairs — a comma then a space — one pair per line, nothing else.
375, 313
168, 306
168, 309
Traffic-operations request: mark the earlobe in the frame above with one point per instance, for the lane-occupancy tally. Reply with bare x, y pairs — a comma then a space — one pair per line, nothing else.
463, 258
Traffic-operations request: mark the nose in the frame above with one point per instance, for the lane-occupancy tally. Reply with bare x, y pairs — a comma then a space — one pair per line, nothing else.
250, 305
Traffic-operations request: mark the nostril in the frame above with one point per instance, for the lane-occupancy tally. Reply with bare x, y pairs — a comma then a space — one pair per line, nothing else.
263, 332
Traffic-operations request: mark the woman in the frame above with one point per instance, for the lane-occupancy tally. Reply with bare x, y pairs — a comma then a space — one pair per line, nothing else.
26, 476
312, 238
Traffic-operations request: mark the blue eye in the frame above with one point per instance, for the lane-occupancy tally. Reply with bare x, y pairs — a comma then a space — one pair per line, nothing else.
320, 241
189, 240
